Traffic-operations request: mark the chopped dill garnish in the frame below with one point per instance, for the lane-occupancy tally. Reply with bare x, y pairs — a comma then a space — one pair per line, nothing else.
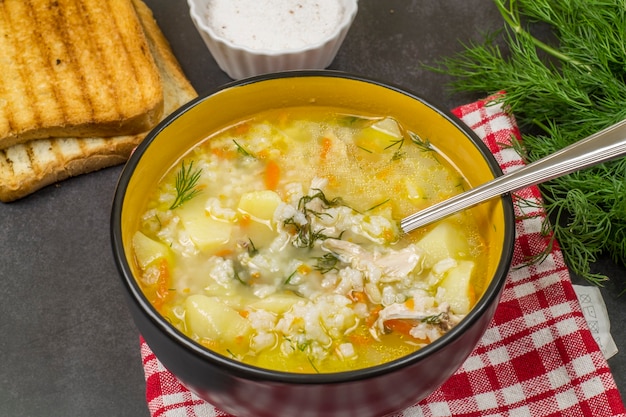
355, 121
321, 196
302, 347
238, 278
157, 220
312, 364
288, 280
398, 155
243, 150
374, 207
326, 263
397, 142
186, 181
423, 144
364, 149
434, 319
305, 235
252, 250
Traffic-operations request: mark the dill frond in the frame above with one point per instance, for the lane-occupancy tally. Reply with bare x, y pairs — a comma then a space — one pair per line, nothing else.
186, 181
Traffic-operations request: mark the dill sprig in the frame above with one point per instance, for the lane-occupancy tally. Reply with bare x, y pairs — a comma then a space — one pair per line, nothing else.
288, 280
243, 151
397, 142
326, 263
186, 181
238, 278
374, 207
433, 319
398, 153
561, 89
252, 250
305, 348
422, 144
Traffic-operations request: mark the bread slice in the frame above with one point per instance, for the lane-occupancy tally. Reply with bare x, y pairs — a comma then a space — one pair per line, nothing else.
27, 167
74, 68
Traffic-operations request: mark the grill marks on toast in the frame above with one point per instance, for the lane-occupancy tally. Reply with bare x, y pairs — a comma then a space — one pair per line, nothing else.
27, 167
63, 57
86, 52
52, 160
72, 67
47, 68
115, 37
65, 83
105, 42
14, 80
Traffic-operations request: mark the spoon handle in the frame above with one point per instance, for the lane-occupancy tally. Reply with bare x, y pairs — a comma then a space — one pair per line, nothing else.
599, 147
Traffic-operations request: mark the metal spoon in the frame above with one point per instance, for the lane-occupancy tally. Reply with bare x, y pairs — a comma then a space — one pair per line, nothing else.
602, 146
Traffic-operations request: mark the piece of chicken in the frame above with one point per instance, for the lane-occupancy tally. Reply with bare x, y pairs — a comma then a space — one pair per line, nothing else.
388, 266
429, 321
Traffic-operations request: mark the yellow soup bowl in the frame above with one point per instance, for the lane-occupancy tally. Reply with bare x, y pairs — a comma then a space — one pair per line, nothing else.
245, 390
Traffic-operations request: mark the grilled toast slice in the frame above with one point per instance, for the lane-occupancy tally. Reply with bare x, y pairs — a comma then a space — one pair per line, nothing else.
27, 167
74, 68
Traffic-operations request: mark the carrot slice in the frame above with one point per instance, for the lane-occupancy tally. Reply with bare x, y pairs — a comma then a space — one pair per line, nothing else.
272, 175
327, 143
163, 293
400, 326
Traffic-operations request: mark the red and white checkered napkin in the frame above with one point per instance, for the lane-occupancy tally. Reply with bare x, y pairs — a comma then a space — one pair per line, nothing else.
538, 357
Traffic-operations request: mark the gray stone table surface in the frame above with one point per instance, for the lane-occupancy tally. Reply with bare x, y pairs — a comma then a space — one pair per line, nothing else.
68, 346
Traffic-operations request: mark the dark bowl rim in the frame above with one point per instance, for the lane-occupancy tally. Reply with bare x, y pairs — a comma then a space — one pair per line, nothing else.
245, 371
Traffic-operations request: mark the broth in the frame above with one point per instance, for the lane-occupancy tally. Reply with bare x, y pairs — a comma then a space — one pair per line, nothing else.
276, 242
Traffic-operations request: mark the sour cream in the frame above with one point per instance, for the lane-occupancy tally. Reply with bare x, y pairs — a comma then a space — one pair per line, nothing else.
274, 25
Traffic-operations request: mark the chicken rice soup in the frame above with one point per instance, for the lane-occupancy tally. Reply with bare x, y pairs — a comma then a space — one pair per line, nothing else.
276, 242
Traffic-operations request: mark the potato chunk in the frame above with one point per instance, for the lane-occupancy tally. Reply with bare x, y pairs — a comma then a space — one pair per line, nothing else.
458, 288
210, 318
148, 250
276, 303
206, 232
261, 205
444, 241
379, 137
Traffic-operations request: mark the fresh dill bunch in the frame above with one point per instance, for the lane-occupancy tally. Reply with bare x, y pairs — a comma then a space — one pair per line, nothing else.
186, 182
561, 90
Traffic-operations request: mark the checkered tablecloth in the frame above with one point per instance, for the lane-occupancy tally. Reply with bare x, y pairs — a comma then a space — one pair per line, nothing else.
537, 358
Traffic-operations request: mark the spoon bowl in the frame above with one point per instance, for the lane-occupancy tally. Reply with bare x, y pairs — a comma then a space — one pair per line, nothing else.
603, 146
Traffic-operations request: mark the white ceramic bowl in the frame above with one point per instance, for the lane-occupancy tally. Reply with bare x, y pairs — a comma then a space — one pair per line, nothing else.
239, 61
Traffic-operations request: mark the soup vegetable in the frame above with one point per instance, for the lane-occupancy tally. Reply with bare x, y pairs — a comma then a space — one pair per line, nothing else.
276, 242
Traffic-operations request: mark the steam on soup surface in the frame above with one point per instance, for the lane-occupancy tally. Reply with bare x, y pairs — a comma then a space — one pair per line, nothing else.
276, 242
